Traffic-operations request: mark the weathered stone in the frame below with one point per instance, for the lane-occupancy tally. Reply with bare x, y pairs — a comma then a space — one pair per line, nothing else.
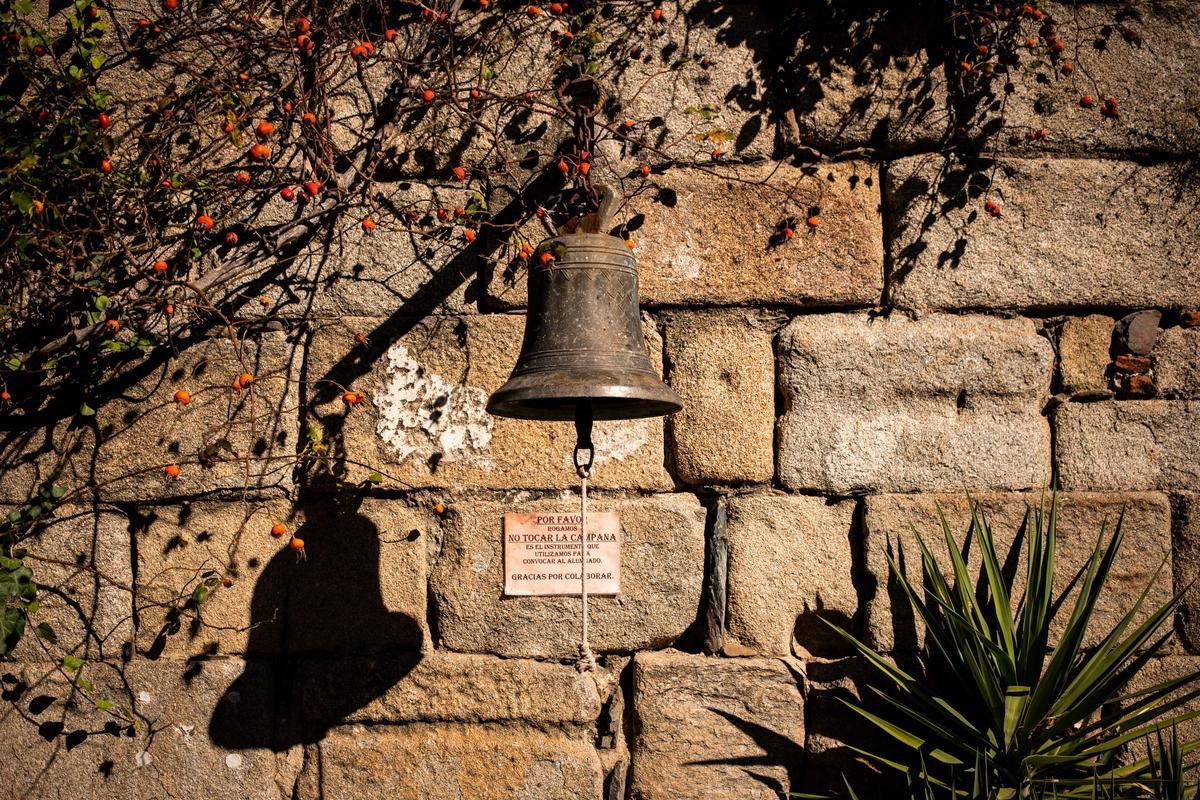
1186, 568
360, 586
1137, 386
1136, 333
71, 748
449, 761
1177, 362
700, 82
1160, 670
1135, 364
1149, 78
182, 550
83, 570
447, 687
715, 728
1083, 354
224, 441
891, 519
833, 730
1071, 233
864, 76
424, 422
1137, 446
790, 562
890, 404
711, 239
723, 366
661, 573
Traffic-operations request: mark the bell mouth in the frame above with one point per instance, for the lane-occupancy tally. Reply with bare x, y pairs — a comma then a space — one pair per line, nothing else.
612, 396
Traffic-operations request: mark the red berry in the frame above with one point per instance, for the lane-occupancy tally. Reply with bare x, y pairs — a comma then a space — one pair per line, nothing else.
287, 193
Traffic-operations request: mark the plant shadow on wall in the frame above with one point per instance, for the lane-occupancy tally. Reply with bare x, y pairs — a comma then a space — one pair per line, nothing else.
327, 605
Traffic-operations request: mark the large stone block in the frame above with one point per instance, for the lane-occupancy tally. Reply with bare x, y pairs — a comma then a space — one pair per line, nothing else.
1133, 445
1177, 362
713, 236
790, 562
446, 687
1187, 567
1083, 354
700, 81
357, 585
891, 623
715, 728
185, 553
225, 440
1149, 77
890, 404
423, 422
1160, 670
723, 366
449, 761
58, 742
82, 565
1072, 233
864, 76
662, 565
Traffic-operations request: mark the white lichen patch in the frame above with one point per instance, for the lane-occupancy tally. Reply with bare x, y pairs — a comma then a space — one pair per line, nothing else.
423, 415
616, 440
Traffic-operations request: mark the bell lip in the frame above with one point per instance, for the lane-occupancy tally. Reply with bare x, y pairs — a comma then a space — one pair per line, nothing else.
639, 398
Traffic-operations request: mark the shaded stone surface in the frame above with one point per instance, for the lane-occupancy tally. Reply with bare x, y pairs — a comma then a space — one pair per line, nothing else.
1186, 567
82, 565
224, 441
662, 557
1072, 233
715, 728
891, 519
790, 561
862, 76
723, 367
423, 422
1136, 445
1083, 354
890, 404
448, 761
72, 748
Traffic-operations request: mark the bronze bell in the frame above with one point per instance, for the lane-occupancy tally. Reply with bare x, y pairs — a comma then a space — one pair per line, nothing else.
583, 345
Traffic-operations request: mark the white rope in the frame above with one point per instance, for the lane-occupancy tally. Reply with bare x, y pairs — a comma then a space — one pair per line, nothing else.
587, 661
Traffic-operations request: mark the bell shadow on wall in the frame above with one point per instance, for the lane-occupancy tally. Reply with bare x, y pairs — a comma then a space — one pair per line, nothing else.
327, 605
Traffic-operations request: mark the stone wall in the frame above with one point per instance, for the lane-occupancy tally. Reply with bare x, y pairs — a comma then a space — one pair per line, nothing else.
838, 386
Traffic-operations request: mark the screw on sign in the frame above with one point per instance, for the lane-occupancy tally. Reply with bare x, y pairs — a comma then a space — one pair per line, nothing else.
603, 374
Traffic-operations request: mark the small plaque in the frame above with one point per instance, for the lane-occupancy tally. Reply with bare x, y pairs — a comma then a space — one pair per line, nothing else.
541, 554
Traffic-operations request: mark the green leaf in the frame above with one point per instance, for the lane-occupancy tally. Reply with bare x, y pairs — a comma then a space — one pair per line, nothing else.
377, 479
104, 705
200, 594
12, 628
22, 201
72, 663
86, 411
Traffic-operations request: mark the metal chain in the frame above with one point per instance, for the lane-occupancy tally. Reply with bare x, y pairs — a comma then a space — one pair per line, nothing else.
583, 468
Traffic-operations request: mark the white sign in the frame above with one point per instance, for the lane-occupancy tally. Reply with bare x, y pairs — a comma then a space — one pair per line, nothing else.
542, 554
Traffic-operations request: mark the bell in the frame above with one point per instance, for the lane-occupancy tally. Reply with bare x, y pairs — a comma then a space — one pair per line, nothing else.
583, 345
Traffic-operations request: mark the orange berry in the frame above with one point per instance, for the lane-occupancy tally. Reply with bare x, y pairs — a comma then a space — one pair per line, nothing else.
231, 238
629, 243
227, 582
102, 120
389, 35
278, 529
183, 397
1087, 101
368, 225
171, 470
992, 207
5, 396
584, 168
265, 129
474, 93
160, 266
813, 222
37, 205
352, 398
788, 233
106, 166
287, 193
1068, 69
242, 178
546, 257
439, 508
113, 325
645, 170
428, 95
301, 25
297, 543
460, 174
169, 309
304, 42
170, 5
534, 11
563, 167
312, 188
657, 15
204, 221
243, 381
556, 8
260, 152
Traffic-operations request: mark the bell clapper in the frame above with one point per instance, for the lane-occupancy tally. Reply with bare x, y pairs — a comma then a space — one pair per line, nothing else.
584, 455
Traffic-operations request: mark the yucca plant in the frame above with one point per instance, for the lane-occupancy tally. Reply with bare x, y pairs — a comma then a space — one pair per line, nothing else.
998, 711
1168, 772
